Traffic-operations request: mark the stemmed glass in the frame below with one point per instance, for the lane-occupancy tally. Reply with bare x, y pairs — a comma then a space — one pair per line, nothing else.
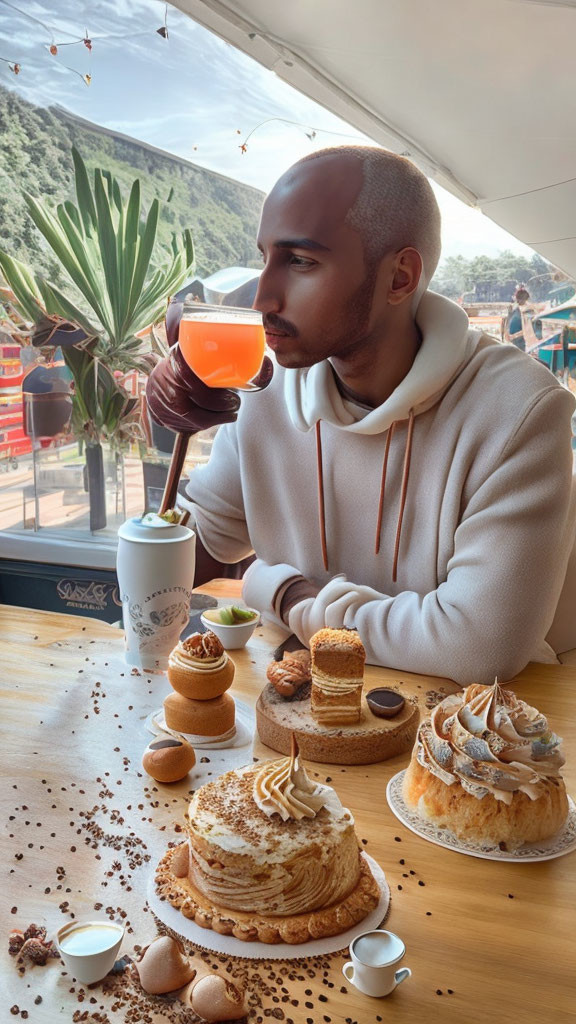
223, 345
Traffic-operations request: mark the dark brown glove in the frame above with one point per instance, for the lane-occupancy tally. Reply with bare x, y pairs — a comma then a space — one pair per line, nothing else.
179, 400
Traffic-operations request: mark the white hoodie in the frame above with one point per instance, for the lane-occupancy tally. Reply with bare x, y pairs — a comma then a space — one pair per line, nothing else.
446, 535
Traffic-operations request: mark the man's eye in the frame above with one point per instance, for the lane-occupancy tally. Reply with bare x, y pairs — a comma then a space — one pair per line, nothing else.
300, 261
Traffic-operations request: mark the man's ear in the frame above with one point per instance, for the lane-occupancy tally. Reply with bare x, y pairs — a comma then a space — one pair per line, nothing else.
406, 275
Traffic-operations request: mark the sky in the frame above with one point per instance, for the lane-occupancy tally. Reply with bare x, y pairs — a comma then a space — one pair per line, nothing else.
191, 94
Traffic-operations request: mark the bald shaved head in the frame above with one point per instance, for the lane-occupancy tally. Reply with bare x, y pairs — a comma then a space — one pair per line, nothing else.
350, 239
394, 207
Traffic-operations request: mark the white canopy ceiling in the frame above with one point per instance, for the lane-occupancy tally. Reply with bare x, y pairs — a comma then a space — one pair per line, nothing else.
481, 95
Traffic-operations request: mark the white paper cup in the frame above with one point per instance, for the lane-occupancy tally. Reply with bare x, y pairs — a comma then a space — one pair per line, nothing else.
155, 566
85, 965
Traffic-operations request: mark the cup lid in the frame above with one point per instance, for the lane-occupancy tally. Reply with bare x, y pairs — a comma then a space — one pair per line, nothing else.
151, 528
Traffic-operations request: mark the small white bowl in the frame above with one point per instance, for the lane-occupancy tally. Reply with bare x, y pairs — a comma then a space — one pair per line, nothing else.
232, 637
89, 962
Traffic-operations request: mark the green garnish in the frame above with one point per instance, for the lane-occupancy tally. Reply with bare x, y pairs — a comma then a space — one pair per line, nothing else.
242, 614
171, 515
231, 615
226, 617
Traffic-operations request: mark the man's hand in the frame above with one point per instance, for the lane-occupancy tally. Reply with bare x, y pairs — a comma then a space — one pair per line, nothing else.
179, 400
294, 590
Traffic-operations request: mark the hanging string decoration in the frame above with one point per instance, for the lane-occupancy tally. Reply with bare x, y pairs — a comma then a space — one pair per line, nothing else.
86, 40
309, 132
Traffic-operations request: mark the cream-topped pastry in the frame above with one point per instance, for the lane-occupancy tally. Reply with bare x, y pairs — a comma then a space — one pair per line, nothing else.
265, 839
271, 856
490, 742
486, 765
200, 668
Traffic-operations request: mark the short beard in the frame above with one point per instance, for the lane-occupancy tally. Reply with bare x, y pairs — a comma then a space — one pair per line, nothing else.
360, 308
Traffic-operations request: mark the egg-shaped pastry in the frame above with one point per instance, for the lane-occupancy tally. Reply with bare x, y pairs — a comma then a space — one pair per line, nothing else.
168, 759
214, 998
163, 966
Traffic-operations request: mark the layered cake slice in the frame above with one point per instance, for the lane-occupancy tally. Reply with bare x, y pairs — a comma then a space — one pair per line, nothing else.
271, 856
338, 658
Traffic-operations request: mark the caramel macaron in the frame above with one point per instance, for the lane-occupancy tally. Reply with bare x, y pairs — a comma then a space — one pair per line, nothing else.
168, 759
213, 717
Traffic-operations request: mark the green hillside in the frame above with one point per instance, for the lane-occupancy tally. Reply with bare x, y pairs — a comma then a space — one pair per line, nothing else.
35, 154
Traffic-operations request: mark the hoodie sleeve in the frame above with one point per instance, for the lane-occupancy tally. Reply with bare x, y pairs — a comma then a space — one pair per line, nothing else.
215, 499
495, 608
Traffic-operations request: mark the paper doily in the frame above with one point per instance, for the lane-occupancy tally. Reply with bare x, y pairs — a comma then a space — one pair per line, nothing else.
205, 938
559, 845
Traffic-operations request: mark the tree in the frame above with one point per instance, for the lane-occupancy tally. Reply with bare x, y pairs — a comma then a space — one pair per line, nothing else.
451, 277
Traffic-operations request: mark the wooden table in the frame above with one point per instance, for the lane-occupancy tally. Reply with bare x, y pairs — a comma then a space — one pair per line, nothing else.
83, 826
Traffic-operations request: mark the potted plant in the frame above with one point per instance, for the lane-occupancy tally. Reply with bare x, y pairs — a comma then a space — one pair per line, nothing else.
120, 281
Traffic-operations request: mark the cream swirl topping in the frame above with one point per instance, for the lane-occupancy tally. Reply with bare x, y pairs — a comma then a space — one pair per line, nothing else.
489, 741
283, 787
201, 651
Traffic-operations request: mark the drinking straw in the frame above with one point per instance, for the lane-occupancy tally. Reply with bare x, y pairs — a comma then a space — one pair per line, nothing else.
174, 472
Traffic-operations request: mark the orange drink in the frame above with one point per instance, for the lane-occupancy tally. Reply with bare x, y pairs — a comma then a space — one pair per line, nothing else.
224, 346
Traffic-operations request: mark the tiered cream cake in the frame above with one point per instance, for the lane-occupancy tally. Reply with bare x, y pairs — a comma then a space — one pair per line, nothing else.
200, 671
271, 857
486, 766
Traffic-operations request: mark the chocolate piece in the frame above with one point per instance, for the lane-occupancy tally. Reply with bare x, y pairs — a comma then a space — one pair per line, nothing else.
160, 744
384, 703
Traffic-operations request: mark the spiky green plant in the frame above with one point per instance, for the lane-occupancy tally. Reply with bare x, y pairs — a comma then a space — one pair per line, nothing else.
120, 280
109, 251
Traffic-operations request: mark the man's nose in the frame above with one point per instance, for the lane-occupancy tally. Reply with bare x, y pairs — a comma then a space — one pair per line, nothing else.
268, 298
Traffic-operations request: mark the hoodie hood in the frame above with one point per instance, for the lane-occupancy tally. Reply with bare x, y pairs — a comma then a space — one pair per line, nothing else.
447, 343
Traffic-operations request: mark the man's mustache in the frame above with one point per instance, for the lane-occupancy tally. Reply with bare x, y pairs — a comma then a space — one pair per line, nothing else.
272, 322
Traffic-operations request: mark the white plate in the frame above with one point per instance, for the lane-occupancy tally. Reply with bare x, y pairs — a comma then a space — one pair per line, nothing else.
216, 943
245, 727
562, 843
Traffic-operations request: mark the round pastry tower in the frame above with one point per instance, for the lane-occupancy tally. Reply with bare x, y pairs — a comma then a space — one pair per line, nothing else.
200, 671
271, 855
486, 766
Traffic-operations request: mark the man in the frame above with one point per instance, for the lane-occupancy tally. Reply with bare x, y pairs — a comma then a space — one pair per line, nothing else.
402, 474
513, 329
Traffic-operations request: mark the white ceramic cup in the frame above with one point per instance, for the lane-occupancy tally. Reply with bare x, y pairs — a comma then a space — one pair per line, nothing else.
89, 960
155, 566
372, 968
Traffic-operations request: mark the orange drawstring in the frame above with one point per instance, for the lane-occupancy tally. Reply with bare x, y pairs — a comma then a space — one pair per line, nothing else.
321, 511
382, 486
403, 491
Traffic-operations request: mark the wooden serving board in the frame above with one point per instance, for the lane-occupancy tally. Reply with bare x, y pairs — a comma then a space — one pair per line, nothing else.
370, 740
